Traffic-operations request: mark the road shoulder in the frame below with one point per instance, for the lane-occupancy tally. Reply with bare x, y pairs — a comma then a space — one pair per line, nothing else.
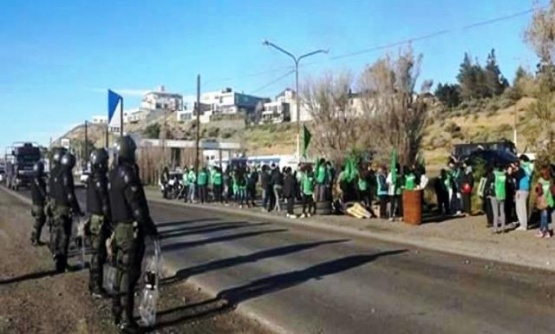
468, 236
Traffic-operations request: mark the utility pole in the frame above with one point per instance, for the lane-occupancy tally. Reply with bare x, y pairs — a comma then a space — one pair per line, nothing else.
164, 133
514, 126
297, 93
121, 118
106, 140
197, 145
86, 139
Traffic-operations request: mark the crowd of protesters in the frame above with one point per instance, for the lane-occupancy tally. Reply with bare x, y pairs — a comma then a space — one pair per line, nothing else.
504, 190
278, 189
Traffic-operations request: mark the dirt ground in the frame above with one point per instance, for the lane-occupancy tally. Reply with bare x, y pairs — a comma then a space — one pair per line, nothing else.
33, 299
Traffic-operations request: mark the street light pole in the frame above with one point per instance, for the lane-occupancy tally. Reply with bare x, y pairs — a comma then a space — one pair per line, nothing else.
297, 93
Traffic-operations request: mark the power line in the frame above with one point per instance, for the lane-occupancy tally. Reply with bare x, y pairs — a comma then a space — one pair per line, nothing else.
273, 82
382, 47
430, 35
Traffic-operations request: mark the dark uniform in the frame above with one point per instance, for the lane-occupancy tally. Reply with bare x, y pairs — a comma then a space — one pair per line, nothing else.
38, 196
64, 203
98, 206
57, 154
132, 222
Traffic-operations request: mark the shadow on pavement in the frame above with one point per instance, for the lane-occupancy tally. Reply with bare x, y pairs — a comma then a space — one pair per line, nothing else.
228, 299
207, 229
435, 218
191, 244
184, 274
27, 277
185, 222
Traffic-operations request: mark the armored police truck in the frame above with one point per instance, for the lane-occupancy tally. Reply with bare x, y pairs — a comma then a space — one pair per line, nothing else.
19, 161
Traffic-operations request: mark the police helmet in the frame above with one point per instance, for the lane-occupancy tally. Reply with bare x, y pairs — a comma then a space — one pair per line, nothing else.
38, 168
125, 149
68, 160
99, 160
57, 154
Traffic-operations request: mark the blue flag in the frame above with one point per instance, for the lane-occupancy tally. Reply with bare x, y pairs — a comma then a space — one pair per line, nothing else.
115, 102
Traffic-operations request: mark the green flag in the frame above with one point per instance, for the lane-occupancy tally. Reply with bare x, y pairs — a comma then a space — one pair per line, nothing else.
350, 171
393, 167
306, 140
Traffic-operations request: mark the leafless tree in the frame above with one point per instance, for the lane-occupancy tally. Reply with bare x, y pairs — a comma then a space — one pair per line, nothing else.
397, 114
540, 33
336, 128
540, 36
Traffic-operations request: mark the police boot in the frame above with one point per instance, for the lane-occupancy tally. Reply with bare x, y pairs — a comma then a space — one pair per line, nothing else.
129, 327
35, 240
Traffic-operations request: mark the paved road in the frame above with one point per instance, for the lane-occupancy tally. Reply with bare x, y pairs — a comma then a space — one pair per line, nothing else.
306, 281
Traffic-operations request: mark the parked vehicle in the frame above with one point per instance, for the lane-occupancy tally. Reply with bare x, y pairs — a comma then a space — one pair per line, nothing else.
489, 157
19, 162
461, 151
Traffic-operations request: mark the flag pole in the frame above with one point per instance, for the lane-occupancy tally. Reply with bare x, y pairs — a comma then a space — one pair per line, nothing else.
106, 139
121, 118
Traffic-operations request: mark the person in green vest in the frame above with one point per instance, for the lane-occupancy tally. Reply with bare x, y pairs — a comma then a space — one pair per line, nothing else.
307, 188
362, 187
409, 179
202, 183
192, 184
497, 183
321, 180
544, 202
185, 180
217, 185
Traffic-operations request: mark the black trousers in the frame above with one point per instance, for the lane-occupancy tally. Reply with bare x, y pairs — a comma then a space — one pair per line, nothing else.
467, 203
202, 193
218, 189
488, 210
308, 204
291, 205
383, 205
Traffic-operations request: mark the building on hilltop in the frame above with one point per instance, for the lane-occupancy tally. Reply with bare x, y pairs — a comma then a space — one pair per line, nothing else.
99, 119
154, 104
275, 112
162, 100
223, 102
289, 96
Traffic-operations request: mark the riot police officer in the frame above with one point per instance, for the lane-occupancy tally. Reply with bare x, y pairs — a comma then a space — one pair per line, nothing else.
38, 196
132, 222
64, 204
55, 165
98, 206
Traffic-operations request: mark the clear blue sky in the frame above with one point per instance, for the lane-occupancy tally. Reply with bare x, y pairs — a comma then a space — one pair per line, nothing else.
57, 58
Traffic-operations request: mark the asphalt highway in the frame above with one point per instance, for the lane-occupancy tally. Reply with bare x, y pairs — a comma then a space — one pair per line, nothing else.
302, 280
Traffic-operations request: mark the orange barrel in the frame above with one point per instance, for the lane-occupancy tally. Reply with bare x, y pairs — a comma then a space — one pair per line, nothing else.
412, 207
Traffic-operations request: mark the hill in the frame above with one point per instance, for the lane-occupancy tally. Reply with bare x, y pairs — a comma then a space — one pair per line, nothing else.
481, 120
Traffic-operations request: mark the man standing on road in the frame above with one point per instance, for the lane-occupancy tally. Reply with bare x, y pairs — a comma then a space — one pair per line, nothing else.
65, 205
98, 206
132, 222
38, 196
523, 182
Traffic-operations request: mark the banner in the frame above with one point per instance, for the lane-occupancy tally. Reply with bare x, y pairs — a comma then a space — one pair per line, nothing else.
115, 108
